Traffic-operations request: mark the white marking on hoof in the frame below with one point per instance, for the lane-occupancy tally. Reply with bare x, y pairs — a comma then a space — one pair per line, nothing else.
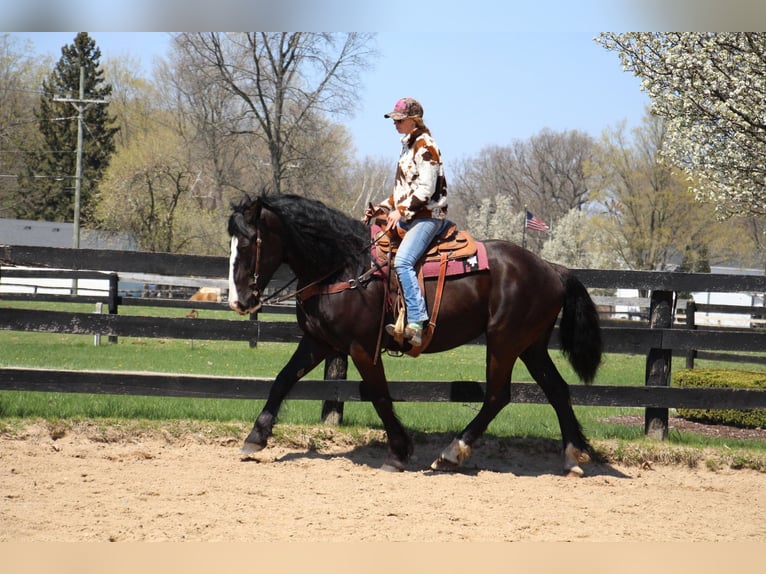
391, 466
575, 472
453, 456
250, 448
573, 458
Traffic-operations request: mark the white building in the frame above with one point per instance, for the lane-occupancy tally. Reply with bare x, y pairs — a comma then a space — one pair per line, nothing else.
55, 234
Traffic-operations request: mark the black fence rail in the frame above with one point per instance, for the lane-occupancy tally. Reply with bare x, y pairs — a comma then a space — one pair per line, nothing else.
658, 338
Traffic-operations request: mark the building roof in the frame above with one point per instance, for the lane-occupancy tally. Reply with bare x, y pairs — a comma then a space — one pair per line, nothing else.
60, 234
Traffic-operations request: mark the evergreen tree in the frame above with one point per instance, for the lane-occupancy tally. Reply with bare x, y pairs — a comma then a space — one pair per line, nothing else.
49, 184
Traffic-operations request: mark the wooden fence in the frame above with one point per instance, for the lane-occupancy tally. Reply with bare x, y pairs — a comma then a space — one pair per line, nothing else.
657, 339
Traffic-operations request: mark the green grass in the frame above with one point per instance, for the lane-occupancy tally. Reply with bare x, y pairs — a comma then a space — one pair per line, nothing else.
231, 358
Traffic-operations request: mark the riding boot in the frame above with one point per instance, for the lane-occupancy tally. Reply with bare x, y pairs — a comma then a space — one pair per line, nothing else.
413, 333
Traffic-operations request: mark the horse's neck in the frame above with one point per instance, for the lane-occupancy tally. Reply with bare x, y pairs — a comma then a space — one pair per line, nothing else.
307, 277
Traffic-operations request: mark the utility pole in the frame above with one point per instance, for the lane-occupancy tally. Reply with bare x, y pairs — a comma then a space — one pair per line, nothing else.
80, 105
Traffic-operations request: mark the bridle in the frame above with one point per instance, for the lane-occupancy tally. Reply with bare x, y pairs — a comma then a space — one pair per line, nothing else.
253, 284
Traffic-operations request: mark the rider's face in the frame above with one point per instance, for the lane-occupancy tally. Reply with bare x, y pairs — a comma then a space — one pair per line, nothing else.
404, 126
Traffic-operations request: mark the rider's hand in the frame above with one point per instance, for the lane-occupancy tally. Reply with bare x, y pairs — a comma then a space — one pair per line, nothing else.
393, 218
371, 212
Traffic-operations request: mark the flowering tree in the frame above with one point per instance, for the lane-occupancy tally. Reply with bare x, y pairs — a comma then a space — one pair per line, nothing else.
494, 218
576, 242
711, 89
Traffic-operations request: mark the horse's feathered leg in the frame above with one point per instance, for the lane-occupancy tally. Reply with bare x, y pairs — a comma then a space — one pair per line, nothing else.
375, 386
309, 353
544, 371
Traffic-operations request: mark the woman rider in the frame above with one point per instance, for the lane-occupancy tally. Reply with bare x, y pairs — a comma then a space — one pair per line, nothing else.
417, 205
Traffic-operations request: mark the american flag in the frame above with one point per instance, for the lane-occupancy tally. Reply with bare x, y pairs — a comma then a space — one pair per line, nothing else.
535, 223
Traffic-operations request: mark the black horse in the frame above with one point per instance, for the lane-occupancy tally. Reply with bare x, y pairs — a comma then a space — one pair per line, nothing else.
515, 304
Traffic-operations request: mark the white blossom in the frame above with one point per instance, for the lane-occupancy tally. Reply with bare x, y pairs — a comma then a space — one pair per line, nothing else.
711, 89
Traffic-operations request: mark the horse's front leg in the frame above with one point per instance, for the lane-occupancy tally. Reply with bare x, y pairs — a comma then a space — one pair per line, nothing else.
307, 355
374, 383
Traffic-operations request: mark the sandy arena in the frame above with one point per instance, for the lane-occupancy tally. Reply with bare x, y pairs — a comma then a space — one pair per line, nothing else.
81, 484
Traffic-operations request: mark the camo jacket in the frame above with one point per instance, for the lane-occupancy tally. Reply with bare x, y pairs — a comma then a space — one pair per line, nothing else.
420, 188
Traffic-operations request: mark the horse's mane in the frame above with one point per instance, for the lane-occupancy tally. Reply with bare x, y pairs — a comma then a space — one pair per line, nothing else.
324, 238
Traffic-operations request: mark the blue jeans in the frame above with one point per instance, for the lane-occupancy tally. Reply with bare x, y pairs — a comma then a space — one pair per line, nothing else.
420, 233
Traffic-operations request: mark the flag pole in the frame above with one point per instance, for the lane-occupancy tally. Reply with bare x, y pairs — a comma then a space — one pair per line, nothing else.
524, 229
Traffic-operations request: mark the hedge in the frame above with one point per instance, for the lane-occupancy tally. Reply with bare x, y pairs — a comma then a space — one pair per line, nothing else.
755, 418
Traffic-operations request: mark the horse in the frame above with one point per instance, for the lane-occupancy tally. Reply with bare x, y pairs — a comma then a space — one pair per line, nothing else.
515, 304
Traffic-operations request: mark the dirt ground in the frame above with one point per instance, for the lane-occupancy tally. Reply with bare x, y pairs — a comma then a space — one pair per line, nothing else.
86, 483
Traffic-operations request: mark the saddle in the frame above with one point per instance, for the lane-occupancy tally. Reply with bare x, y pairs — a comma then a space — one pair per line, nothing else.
451, 244
456, 244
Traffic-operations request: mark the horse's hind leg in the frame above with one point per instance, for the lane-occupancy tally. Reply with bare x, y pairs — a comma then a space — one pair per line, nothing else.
575, 445
307, 355
498, 394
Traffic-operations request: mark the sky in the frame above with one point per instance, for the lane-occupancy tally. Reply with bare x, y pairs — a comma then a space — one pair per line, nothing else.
487, 72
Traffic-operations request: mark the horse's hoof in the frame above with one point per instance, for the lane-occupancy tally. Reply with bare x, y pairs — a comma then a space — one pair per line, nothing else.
453, 456
392, 465
573, 458
250, 448
444, 465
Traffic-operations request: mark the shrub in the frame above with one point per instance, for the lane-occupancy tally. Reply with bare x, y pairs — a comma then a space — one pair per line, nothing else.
753, 418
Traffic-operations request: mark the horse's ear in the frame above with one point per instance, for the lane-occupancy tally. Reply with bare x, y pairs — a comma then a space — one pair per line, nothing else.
255, 209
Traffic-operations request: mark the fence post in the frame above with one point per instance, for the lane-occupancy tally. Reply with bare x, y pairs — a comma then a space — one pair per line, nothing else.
253, 342
658, 363
114, 300
691, 309
97, 336
335, 368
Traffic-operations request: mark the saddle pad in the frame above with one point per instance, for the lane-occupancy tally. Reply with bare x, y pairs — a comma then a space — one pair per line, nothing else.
471, 264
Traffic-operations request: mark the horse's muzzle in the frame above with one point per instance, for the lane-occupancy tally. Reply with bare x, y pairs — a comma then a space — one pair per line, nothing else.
252, 307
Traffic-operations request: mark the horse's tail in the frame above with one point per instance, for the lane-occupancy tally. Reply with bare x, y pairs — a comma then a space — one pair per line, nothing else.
579, 329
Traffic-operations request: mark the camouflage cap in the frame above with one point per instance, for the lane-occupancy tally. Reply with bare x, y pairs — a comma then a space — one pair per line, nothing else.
405, 108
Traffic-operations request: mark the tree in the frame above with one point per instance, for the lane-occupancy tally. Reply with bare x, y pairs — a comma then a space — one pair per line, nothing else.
50, 179
649, 218
495, 218
545, 174
369, 181
150, 195
286, 83
160, 185
550, 171
576, 242
711, 90
207, 116
134, 101
20, 78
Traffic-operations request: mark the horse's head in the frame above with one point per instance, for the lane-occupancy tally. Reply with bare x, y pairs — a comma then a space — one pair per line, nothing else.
256, 253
